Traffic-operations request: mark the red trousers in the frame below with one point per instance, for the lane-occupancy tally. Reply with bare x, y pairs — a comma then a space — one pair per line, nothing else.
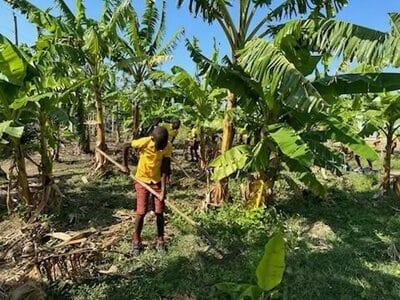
142, 196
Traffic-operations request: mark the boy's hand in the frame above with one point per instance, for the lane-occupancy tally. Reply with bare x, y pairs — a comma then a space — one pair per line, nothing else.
125, 170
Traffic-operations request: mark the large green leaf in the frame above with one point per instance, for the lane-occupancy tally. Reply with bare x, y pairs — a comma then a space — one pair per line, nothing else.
342, 39
307, 177
230, 161
21, 102
92, 42
358, 83
12, 62
272, 265
395, 22
343, 133
267, 64
291, 144
5, 127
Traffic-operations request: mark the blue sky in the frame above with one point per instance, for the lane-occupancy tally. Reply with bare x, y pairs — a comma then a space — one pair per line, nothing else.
369, 13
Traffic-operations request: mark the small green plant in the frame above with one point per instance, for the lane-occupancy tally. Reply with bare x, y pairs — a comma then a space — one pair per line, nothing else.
269, 273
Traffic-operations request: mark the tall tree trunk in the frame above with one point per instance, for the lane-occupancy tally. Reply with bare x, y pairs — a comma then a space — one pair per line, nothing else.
23, 184
135, 119
100, 132
387, 158
220, 190
81, 128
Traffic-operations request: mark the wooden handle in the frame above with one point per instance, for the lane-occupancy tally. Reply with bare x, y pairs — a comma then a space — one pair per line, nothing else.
121, 167
169, 204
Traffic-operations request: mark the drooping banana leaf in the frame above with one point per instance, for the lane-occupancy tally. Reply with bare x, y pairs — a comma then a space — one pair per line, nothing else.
305, 175
358, 83
268, 65
291, 144
230, 161
346, 135
12, 63
5, 127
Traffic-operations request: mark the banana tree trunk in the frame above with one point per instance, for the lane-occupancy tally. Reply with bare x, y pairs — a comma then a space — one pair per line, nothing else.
203, 162
387, 158
100, 131
58, 145
135, 119
117, 125
221, 189
22, 177
260, 189
47, 164
81, 128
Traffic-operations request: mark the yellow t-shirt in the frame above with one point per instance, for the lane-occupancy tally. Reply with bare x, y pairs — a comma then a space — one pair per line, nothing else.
193, 133
149, 166
172, 133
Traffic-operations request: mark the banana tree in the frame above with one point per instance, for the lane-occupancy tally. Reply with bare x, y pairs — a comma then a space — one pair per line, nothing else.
16, 73
382, 114
146, 50
291, 112
247, 27
201, 103
85, 42
356, 43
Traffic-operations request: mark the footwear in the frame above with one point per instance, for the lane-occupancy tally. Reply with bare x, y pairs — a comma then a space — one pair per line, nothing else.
161, 247
137, 248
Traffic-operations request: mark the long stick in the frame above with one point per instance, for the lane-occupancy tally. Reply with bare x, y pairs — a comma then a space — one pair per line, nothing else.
172, 206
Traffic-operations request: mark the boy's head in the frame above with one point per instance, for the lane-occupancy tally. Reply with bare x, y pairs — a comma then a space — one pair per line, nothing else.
160, 137
175, 123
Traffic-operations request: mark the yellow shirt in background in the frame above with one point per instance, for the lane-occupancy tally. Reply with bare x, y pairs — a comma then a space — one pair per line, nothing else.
172, 133
193, 133
149, 166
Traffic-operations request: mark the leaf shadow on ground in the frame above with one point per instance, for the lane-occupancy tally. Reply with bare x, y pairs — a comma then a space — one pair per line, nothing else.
93, 203
351, 258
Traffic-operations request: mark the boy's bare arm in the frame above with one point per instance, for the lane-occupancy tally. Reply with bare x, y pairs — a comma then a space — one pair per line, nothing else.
125, 151
163, 187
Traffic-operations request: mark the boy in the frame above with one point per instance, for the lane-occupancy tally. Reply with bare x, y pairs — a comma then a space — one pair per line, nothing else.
194, 145
173, 129
153, 169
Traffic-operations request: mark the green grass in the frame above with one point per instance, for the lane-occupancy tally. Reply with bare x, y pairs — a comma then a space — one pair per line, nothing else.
338, 249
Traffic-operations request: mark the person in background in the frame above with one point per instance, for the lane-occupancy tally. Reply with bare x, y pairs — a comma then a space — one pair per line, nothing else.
194, 145
154, 168
173, 129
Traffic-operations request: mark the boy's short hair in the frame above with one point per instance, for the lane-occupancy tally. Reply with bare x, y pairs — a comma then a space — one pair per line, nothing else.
176, 123
160, 137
